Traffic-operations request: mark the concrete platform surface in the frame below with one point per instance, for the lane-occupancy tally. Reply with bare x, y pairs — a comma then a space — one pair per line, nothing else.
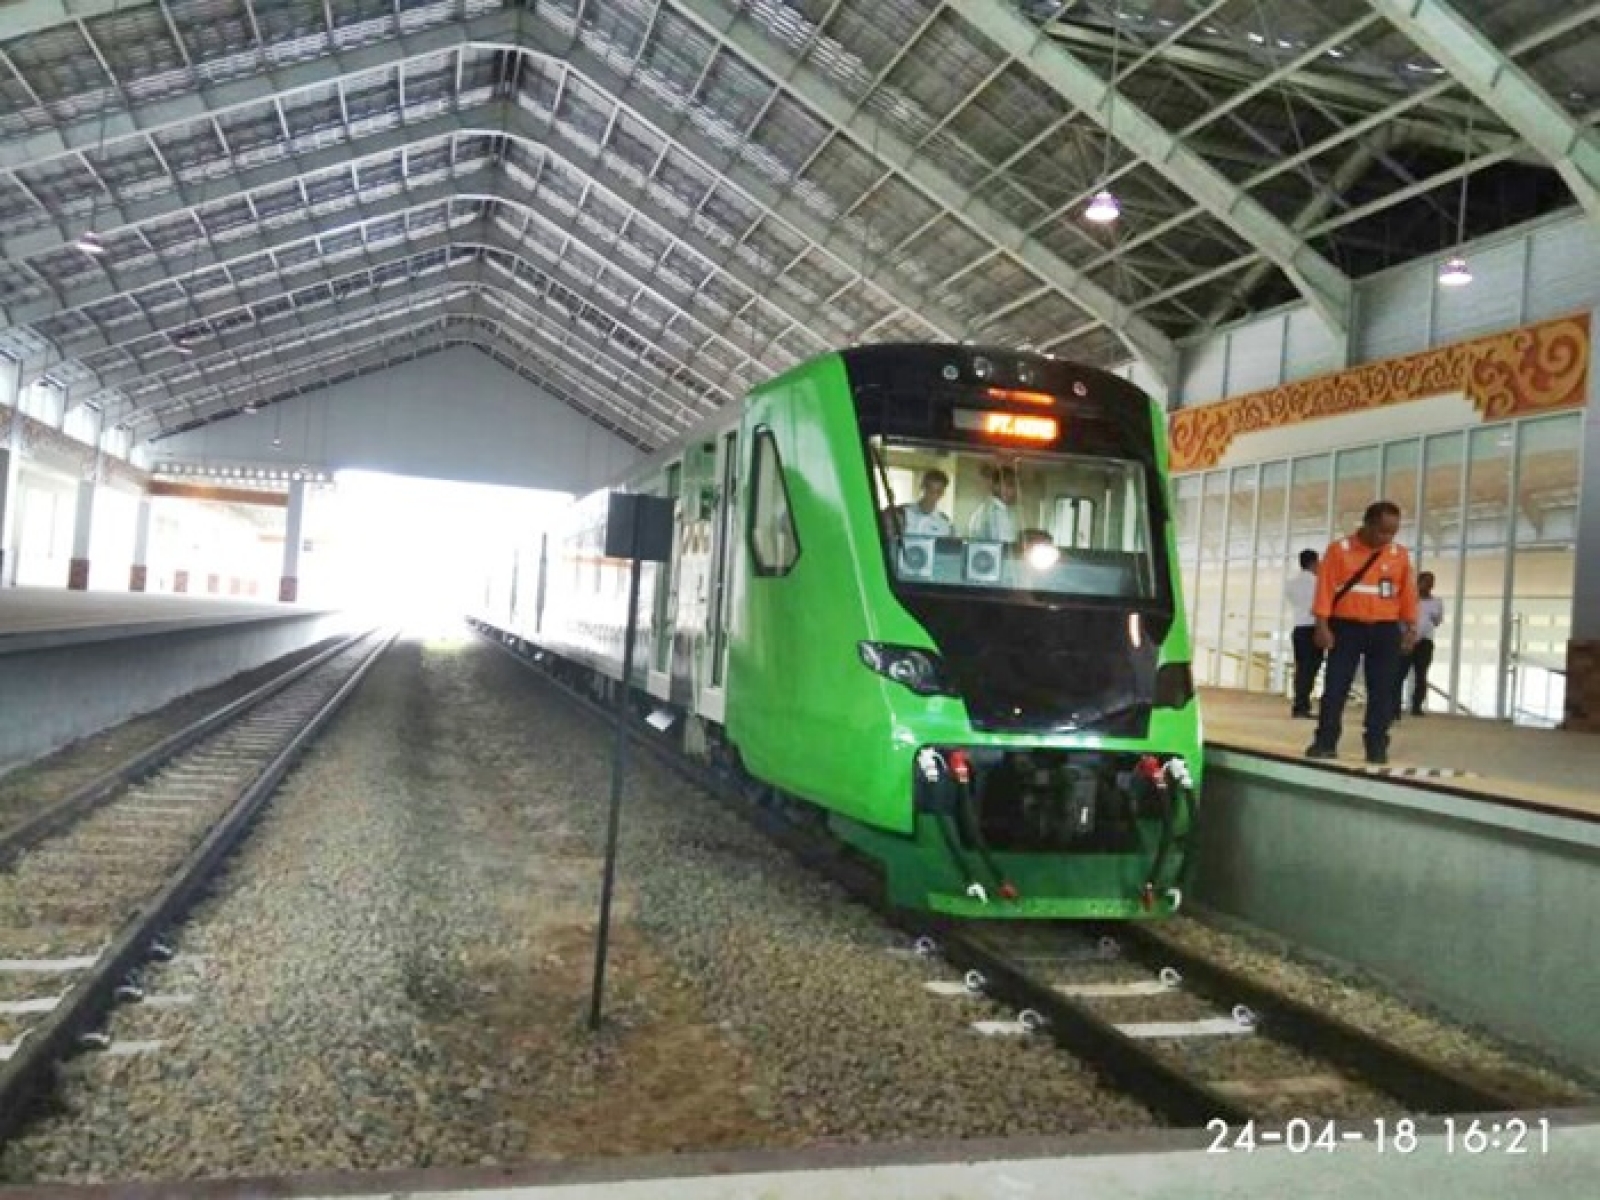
1547, 768
1159, 1166
35, 618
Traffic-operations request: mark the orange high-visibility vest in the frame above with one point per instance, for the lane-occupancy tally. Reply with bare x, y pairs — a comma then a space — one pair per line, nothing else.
1387, 592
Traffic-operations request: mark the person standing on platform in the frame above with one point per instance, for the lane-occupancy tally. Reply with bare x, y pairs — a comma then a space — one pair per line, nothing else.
1366, 614
1430, 615
1300, 593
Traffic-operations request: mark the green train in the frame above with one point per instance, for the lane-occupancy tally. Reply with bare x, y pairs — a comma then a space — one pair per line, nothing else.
928, 594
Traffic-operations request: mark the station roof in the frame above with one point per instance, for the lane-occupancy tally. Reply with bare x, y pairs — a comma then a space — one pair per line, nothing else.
646, 206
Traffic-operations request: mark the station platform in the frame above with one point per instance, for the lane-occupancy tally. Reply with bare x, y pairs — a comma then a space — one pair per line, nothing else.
74, 663
34, 618
1541, 769
1464, 876
1154, 1166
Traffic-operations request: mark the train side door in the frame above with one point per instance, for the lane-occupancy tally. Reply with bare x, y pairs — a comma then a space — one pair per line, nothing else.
544, 569
664, 612
713, 696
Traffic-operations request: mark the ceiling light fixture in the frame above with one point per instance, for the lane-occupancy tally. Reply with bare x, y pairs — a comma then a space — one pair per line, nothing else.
1455, 272
1103, 208
89, 242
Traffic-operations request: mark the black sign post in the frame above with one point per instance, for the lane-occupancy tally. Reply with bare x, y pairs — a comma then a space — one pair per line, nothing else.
638, 528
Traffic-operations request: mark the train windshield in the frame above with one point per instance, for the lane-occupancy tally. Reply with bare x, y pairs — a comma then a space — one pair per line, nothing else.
1065, 524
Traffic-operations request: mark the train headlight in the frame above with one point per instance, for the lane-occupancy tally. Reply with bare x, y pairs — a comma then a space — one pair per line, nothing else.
918, 670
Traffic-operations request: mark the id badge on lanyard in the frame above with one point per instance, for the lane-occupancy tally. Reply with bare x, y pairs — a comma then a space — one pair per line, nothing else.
1386, 589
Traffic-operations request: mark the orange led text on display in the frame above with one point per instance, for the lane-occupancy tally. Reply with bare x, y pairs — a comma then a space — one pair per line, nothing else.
1021, 427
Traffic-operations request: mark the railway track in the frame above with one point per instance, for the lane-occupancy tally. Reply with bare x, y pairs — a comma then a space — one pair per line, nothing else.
1146, 1013
89, 887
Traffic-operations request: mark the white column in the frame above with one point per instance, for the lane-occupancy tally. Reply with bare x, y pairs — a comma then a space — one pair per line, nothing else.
10, 468
289, 585
139, 575
82, 529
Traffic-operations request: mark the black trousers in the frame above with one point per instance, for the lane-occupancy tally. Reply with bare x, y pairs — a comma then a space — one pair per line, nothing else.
1416, 665
1307, 662
1377, 647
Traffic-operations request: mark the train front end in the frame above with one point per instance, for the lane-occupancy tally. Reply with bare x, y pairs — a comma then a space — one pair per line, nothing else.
1028, 635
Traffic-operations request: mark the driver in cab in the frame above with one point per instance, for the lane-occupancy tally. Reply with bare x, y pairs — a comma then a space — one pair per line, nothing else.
923, 517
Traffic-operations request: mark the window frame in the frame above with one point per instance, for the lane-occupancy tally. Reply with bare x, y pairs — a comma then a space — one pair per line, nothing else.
764, 436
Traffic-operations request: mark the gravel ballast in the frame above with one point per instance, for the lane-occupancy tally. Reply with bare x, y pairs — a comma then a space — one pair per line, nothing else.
394, 972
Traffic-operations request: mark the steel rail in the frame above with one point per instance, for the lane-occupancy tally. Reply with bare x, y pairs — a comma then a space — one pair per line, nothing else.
30, 1071
1125, 1062
1414, 1081
95, 793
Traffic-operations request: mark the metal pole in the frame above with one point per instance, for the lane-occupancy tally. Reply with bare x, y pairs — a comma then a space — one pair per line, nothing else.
618, 767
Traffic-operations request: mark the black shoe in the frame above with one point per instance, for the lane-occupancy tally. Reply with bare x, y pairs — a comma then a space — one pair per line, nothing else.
1378, 753
1417, 712
1303, 714
1318, 750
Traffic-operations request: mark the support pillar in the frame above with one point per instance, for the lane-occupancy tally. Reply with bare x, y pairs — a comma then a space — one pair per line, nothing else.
1583, 650
10, 468
138, 576
289, 584
82, 530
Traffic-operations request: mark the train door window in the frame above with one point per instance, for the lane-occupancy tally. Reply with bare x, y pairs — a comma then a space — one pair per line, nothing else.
1072, 523
774, 541
727, 495
666, 578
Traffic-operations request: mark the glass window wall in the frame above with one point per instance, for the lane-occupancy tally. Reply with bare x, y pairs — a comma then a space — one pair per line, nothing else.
1492, 512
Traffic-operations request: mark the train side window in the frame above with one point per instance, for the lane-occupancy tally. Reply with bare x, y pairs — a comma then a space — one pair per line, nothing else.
774, 541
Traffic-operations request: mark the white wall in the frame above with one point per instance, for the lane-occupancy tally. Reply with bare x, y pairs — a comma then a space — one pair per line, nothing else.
1544, 269
453, 415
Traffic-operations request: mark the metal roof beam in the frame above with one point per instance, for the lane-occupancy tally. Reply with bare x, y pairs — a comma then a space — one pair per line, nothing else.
1329, 195
482, 241
291, 326
229, 185
211, 100
245, 372
738, 33
1323, 284
1513, 95
1347, 92
23, 17
300, 326
168, 321
311, 227
673, 127
398, 324
235, 250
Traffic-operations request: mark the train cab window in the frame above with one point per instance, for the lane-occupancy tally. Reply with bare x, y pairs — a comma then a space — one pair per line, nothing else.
774, 541
1063, 524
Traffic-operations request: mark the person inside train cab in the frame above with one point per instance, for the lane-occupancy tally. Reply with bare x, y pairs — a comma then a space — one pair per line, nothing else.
994, 519
1366, 614
923, 516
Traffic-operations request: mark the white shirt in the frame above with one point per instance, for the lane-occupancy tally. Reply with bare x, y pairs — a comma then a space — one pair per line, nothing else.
992, 521
927, 524
1430, 615
1298, 594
